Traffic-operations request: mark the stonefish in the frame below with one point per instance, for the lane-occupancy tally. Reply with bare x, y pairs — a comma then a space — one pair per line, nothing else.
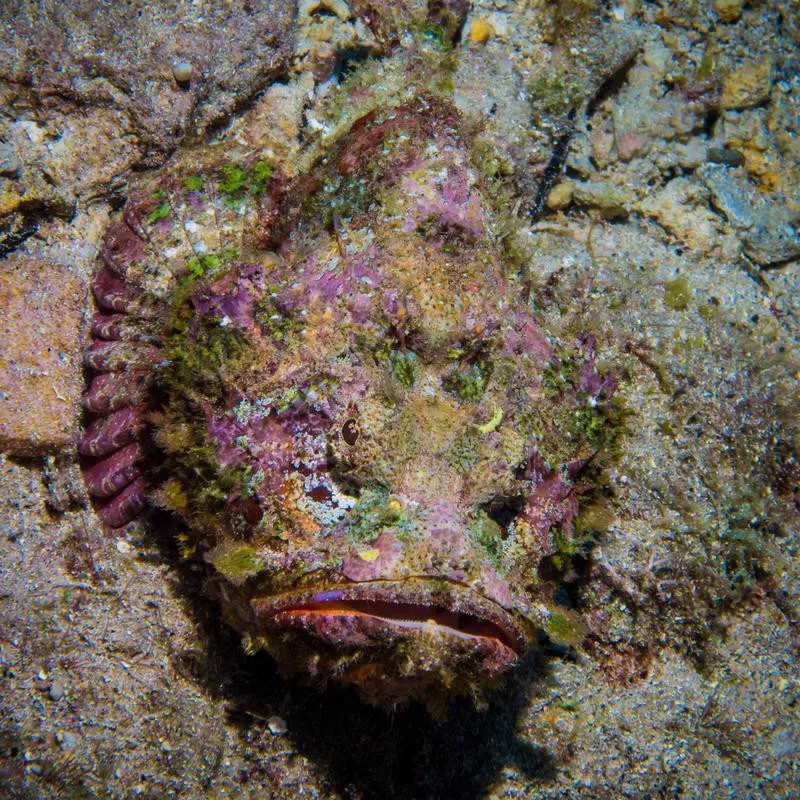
332, 381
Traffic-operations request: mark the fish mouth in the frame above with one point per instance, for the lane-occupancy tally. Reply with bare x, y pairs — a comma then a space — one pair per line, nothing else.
401, 608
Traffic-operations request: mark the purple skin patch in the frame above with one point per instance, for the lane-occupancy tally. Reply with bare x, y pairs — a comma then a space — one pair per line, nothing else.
322, 597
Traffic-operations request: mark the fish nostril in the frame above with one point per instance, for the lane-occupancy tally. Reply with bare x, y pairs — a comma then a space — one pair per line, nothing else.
504, 509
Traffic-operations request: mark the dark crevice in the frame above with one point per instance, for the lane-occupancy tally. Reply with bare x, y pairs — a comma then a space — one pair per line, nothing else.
709, 121
554, 168
10, 242
504, 510
611, 85
349, 60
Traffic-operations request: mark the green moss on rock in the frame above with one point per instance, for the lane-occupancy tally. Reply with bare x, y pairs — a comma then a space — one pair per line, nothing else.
565, 628
677, 294
237, 563
488, 535
161, 211
373, 512
466, 380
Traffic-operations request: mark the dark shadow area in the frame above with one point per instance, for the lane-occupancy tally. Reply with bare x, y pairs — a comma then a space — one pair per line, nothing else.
359, 751
366, 753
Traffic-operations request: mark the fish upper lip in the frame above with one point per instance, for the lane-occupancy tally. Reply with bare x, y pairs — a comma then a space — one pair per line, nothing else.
406, 602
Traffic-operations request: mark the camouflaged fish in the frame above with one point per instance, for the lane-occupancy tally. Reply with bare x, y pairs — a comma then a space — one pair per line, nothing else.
334, 384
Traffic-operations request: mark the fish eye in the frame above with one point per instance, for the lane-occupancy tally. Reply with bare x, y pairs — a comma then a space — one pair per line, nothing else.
350, 431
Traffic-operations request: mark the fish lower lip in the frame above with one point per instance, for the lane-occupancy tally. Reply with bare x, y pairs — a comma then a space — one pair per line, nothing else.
410, 604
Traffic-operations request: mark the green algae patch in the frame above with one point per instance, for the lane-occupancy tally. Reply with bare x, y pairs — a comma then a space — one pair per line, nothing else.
596, 425
710, 64
238, 181
171, 496
488, 535
465, 451
467, 381
373, 512
677, 294
237, 563
192, 183
493, 423
402, 368
234, 179
197, 364
569, 704
278, 324
565, 628
562, 376
160, 212
550, 92
197, 268
260, 177
200, 265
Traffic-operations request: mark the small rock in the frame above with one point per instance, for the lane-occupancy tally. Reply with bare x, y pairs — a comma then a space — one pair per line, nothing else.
560, 196
768, 230
56, 690
40, 382
610, 202
748, 86
479, 31
631, 144
123, 547
681, 207
9, 163
726, 156
277, 726
66, 740
728, 10
182, 71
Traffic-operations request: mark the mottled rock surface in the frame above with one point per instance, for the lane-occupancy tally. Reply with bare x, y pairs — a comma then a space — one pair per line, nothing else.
121, 57
42, 310
88, 91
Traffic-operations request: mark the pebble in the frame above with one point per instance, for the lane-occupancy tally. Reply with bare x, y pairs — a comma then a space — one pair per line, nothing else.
9, 163
728, 10
182, 71
123, 547
56, 690
726, 156
608, 200
66, 740
748, 86
277, 726
480, 31
560, 195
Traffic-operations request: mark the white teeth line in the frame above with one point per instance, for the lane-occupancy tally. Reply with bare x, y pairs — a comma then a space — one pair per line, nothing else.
428, 623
